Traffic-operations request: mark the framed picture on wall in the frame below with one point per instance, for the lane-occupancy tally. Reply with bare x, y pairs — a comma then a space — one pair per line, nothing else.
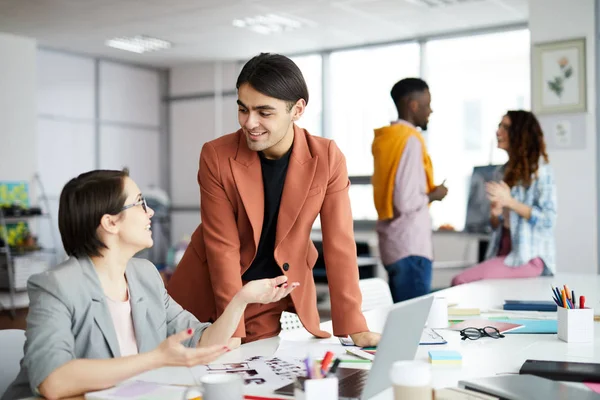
559, 77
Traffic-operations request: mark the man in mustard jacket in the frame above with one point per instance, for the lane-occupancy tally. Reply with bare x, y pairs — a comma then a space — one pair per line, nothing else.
261, 189
403, 187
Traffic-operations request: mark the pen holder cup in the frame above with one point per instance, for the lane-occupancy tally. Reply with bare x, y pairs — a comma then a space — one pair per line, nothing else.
316, 389
576, 325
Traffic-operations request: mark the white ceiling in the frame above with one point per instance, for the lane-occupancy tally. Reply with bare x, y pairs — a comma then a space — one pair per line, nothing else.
202, 30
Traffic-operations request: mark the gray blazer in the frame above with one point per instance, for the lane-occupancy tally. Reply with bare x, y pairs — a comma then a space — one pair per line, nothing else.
69, 318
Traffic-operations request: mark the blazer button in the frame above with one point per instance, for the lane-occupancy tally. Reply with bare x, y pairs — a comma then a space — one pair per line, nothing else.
286, 266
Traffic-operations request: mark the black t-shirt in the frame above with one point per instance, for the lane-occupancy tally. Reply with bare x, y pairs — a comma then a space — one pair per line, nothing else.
273, 174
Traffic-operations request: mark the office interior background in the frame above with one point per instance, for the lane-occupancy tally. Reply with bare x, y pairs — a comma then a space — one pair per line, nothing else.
69, 103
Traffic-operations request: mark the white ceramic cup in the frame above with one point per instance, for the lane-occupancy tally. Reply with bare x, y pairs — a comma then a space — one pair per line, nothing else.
222, 387
411, 380
438, 314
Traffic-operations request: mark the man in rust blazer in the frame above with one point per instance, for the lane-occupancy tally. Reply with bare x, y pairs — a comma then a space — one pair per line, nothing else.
261, 190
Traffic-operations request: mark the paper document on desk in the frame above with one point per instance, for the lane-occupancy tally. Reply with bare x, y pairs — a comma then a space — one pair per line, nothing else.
139, 390
263, 372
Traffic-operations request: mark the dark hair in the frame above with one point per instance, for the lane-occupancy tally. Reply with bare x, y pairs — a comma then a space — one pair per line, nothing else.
83, 202
526, 146
405, 88
275, 76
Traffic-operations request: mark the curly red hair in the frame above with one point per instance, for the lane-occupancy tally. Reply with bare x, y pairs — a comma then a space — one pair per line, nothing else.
526, 147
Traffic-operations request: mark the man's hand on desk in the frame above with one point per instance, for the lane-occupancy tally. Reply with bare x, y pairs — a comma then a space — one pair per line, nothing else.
366, 339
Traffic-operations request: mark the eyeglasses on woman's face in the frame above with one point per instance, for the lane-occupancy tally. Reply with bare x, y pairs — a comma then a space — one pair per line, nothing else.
141, 201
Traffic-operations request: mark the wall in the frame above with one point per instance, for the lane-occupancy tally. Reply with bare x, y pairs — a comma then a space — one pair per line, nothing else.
575, 169
17, 107
18, 159
63, 114
96, 114
202, 107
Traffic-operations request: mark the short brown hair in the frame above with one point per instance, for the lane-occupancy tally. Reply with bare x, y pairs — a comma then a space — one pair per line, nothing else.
83, 202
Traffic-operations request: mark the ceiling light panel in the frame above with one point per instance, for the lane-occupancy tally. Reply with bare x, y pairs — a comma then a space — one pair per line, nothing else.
138, 44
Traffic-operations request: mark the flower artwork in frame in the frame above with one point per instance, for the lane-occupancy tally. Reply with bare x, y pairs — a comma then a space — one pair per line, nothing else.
559, 80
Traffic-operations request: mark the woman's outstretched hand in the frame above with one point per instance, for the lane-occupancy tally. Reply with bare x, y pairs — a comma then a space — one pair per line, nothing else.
265, 291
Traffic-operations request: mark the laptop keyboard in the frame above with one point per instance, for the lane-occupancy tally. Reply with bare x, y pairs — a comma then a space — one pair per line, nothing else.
351, 387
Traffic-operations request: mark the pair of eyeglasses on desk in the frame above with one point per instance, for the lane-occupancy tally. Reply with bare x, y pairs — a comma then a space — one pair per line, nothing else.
476, 333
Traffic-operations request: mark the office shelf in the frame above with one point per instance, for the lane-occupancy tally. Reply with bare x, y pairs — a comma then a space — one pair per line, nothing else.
18, 263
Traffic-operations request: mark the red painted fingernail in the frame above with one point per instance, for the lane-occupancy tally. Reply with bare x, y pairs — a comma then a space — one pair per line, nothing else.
190, 331
285, 286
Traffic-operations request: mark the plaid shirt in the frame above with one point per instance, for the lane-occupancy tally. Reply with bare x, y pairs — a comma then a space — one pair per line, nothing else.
534, 237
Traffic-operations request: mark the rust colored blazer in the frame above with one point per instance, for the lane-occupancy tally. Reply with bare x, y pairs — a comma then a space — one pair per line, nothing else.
232, 206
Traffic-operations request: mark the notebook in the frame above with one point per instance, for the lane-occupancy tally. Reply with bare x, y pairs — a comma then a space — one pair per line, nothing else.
529, 305
534, 325
562, 370
482, 323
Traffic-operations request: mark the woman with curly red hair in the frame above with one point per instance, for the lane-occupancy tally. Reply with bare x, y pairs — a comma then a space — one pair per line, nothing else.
523, 206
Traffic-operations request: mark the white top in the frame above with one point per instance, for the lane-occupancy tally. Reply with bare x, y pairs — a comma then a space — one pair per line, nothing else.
120, 312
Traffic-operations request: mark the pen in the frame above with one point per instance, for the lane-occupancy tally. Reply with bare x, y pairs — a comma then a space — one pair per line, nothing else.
325, 363
334, 366
564, 298
308, 367
573, 299
581, 301
554, 297
567, 292
558, 295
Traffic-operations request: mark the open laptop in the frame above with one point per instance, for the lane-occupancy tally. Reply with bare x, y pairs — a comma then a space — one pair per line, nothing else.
399, 341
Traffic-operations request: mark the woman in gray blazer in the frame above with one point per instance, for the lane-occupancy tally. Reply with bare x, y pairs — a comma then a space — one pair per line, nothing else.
103, 316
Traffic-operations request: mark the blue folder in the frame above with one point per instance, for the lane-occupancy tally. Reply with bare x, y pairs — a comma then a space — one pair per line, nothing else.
533, 326
526, 305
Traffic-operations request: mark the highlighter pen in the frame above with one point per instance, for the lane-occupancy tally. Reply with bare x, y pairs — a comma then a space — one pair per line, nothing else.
325, 363
334, 366
308, 367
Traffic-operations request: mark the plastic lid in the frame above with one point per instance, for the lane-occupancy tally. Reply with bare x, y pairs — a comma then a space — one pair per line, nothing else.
411, 373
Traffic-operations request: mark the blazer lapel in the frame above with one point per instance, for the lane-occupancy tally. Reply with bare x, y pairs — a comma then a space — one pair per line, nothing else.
99, 307
247, 174
299, 178
139, 312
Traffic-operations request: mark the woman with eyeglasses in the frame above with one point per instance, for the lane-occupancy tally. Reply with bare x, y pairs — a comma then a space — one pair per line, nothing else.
523, 206
103, 316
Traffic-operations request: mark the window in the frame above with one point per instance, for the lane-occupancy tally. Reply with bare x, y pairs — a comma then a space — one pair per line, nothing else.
360, 84
473, 82
312, 69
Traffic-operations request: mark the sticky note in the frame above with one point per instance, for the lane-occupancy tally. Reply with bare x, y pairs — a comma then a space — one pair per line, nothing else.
445, 357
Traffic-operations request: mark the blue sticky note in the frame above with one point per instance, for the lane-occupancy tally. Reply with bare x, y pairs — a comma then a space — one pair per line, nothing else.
444, 355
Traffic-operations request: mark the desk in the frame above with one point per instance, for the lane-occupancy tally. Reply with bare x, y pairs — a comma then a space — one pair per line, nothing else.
481, 358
